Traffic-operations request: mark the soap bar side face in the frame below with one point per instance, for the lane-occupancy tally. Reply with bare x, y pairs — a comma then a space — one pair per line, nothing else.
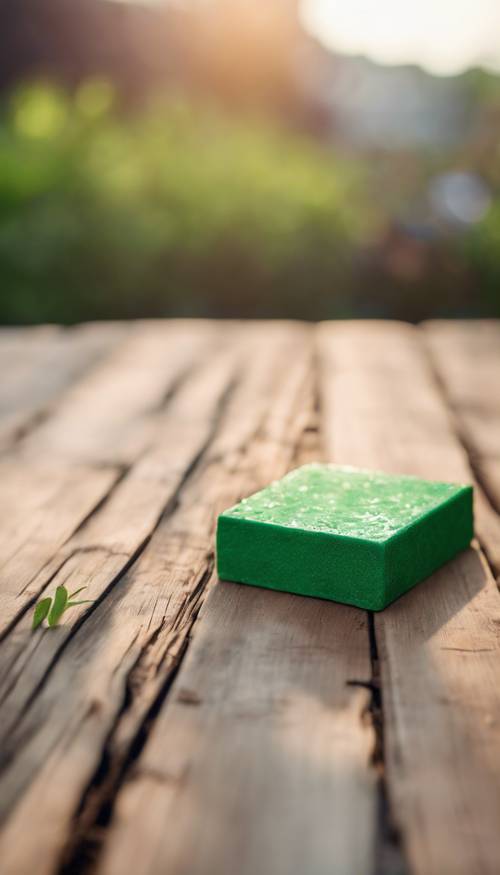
421, 548
302, 562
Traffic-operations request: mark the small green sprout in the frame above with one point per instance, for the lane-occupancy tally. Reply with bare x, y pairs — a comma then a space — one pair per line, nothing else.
52, 609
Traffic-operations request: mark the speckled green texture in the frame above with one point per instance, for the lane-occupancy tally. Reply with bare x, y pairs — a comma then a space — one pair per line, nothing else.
361, 537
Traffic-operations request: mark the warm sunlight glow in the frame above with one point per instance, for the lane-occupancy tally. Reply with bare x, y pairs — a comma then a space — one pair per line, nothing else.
445, 36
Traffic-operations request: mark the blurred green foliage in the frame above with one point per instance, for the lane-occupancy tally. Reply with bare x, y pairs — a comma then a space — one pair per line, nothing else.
174, 210
177, 209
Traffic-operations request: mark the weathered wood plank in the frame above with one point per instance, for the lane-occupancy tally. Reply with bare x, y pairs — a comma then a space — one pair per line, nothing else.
262, 754
109, 416
39, 363
102, 549
466, 357
42, 505
262, 750
43, 500
66, 466
438, 645
285, 693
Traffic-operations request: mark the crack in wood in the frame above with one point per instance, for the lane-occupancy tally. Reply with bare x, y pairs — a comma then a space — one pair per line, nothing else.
96, 806
389, 854
389, 857
29, 425
121, 473
166, 511
174, 388
4, 761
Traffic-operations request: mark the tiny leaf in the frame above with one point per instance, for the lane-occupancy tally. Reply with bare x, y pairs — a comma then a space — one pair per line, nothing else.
82, 602
58, 606
73, 594
41, 611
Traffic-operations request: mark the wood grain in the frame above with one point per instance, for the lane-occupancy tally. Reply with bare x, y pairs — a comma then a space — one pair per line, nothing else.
109, 416
438, 646
39, 363
466, 358
61, 470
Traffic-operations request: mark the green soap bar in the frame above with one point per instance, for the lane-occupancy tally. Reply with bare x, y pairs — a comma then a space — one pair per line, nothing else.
335, 532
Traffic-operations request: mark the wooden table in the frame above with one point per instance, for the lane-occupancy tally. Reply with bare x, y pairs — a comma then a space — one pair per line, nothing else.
182, 726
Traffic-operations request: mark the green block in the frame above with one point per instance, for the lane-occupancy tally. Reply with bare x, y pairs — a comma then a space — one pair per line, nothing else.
334, 532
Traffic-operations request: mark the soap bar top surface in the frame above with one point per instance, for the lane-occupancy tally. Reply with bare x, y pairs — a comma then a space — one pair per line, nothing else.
344, 501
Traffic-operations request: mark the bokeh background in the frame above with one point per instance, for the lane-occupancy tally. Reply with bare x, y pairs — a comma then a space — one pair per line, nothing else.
228, 158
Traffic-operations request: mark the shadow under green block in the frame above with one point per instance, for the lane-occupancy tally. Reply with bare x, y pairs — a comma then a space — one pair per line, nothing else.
340, 533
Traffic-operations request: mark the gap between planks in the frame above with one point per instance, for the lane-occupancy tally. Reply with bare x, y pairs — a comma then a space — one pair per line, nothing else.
466, 360
438, 646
